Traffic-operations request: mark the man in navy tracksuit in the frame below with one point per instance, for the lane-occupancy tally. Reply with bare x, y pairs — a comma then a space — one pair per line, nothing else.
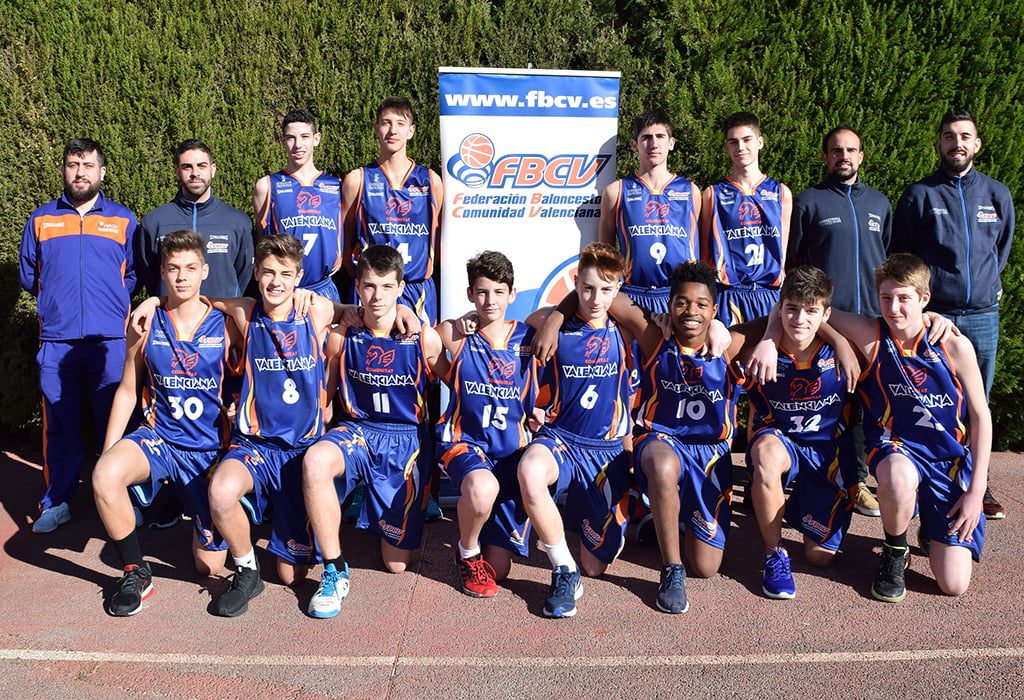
843, 227
76, 258
226, 230
961, 223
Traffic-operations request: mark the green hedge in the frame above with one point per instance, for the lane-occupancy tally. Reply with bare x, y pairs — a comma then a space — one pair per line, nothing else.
141, 76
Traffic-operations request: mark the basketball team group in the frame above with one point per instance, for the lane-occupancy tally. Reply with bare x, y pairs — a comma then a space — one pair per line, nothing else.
863, 337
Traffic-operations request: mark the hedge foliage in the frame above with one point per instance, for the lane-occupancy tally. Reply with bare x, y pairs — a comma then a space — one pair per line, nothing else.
141, 76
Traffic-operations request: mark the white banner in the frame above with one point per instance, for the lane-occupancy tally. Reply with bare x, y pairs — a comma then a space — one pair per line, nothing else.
526, 155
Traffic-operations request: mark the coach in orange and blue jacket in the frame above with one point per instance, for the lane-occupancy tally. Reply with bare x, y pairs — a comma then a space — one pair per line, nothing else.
76, 258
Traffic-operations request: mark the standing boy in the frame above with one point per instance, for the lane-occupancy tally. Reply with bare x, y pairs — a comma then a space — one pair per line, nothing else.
585, 389
304, 202
382, 439
484, 430
395, 202
180, 365
744, 226
927, 428
800, 430
652, 215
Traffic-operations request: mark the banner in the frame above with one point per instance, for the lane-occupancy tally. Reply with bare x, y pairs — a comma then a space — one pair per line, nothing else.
526, 155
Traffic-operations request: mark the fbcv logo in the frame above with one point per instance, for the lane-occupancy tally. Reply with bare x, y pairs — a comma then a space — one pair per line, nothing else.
475, 165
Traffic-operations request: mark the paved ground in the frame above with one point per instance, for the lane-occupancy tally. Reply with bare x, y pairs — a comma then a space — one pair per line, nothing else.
415, 636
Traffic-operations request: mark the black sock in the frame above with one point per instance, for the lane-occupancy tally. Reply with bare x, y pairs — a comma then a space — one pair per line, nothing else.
129, 550
896, 541
339, 563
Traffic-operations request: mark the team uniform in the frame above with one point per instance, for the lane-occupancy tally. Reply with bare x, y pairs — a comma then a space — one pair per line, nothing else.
655, 230
687, 401
185, 424
915, 406
493, 388
310, 212
586, 387
278, 418
401, 215
382, 384
745, 245
80, 269
806, 409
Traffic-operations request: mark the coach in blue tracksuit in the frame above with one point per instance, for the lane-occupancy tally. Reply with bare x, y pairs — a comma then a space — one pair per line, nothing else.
843, 227
226, 230
960, 222
76, 258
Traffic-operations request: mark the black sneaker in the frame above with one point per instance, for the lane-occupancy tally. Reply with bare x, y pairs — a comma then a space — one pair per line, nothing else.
135, 586
246, 584
672, 592
890, 581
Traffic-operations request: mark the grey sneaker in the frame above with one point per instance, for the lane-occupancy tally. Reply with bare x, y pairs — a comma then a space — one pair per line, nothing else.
52, 518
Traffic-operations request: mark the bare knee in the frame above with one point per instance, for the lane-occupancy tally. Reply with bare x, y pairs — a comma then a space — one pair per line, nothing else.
291, 574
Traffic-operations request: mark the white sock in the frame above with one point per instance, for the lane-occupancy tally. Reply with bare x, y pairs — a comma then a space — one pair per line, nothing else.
559, 555
467, 553
248, 561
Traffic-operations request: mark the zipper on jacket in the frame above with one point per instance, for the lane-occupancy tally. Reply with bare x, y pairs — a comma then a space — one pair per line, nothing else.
967, 236
856, 242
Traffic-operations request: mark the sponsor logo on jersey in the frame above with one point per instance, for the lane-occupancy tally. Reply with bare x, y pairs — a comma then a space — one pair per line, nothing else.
803, 388
477, 164
502, 368
298, 549
655, 212
184, 361
285, 341
391, 530
592, 535
605, 369
699, 523
812, 524
677, 195
938, 211
749, 214
686, 389
309, 221
831, 221
397, 208
815, 405
307, 202
208, 340
52, 224
926, 399
285, 364
987, 214
492, 391
378, 359
768, 195
187, 383
596, 350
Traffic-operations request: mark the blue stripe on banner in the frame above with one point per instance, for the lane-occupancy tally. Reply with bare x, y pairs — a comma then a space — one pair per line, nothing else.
476, 94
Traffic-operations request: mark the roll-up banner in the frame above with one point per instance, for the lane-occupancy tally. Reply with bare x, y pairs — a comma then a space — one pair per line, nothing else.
526, 155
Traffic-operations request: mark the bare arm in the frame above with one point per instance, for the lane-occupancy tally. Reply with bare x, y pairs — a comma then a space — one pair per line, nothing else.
609, 206
433, 348
787, 214
350, 187
966, 513
707, 215
261, 204
127, 392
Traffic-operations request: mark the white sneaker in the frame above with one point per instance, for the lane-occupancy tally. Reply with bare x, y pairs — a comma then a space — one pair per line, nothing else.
334, 584
52, 518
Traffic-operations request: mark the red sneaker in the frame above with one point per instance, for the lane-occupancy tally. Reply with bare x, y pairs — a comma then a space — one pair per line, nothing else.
477, 576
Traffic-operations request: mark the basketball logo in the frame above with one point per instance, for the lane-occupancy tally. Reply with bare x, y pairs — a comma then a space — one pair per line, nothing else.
472, 164
476, 150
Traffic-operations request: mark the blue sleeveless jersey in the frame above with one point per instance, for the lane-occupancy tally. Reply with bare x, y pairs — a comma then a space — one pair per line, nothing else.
686, 395
400, 215
310, 212
746, 234
493, 386
656, 230
383, 378
181, 396
807, 401
283, 382
586, 385
912, 397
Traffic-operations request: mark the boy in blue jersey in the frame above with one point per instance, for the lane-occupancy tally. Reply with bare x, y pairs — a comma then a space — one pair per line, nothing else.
744, 226
651, 215
179, 365
585, 389
482, 434
382, 438
799, 430
927, 428
395, 202
304, 202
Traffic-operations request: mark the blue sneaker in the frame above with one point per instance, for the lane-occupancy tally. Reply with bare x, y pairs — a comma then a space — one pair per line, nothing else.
672, 592
334, 584
566, 589
52, 518
778, 577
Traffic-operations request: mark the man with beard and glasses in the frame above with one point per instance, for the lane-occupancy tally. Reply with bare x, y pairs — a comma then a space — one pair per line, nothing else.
226, 230
76, 258
843, 227
960, 222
